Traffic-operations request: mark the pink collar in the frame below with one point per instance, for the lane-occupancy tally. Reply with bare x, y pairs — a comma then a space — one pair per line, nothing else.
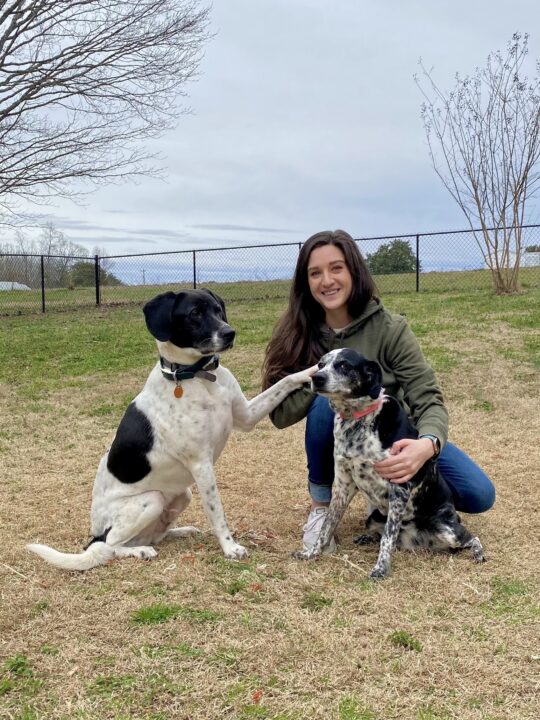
366, 411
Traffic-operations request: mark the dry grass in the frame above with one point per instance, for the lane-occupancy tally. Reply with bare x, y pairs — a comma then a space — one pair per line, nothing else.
271, 637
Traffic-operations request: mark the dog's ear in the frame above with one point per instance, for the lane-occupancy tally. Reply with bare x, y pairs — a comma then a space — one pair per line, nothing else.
373, 373
219, 300
158, 315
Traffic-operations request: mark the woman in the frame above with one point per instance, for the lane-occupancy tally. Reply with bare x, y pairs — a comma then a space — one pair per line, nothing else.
333, 304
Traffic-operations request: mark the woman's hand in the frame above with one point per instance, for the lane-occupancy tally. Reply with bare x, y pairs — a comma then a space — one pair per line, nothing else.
406, 458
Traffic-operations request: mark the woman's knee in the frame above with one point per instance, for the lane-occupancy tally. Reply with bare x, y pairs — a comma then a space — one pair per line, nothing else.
471, 488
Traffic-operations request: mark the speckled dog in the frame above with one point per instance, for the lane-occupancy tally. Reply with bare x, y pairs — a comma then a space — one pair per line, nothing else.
416, 514
171, 435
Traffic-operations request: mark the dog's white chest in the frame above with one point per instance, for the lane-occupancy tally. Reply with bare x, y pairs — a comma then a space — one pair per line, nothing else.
198, 421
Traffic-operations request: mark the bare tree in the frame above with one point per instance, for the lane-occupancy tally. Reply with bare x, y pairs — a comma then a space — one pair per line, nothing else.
484, 143
83, 83
21, 260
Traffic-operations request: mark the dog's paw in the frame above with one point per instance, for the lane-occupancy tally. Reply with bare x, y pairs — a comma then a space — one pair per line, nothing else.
477, 551
236, 552
379, 572
365, 540
304, 376
186, 531
305, 555
143, 552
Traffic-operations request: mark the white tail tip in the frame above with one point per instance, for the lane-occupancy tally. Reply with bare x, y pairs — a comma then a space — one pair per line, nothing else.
98, 553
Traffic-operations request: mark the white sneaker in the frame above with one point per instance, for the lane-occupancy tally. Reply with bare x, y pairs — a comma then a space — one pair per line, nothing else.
312, 530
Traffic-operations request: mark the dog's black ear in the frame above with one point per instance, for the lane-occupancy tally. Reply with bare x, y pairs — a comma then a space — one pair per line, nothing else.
373, 374
219, 300
158, 315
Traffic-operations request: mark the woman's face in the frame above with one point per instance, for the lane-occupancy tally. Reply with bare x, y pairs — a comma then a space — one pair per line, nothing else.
330, 283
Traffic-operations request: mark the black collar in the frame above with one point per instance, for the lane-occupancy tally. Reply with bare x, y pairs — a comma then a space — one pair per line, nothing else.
177, 372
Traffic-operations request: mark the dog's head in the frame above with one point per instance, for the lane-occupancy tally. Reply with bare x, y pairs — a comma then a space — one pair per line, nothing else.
347, 374
194, 320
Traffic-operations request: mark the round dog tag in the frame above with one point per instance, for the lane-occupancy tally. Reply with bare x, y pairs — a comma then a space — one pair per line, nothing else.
178, 391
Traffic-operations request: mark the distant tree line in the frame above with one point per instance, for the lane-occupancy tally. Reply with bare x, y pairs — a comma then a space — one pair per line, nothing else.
66, 264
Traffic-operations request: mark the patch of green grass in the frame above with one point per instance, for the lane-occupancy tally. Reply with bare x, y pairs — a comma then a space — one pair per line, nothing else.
404, 639
508, 587
111, 684
226, 657
253, 711
181, 649
159, 613
235, 587
18, 665
482, 404
49, 649
512, 600
429, 713
315, 601
18, 676
5, 686
154, 614
351, 709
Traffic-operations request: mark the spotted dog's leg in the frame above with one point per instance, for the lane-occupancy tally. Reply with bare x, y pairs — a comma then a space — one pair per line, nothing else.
343, 492
203, 474
476, 548
398, 498
465, 540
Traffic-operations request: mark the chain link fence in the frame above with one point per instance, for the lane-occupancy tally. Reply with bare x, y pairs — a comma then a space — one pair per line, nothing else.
426, 262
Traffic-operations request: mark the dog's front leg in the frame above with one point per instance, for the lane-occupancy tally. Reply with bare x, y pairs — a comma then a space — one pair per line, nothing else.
398, 498
247, 413
203, 474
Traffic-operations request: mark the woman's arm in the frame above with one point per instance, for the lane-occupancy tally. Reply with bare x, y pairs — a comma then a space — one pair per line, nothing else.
293, 409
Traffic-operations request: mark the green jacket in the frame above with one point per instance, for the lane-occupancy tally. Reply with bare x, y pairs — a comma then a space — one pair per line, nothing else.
385, 337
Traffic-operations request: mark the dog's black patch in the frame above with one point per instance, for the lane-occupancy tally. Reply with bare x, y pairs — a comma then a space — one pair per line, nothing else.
98, 538
392, 424
128, 460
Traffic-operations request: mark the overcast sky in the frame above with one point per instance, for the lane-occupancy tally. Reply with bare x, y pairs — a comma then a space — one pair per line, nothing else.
305, 117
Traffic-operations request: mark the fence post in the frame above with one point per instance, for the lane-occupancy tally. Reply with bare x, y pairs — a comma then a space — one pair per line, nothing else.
418, 263
194, 271
42, 284
96, 274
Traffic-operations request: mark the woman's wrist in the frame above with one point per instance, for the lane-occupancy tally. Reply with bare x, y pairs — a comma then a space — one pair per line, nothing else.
435, 444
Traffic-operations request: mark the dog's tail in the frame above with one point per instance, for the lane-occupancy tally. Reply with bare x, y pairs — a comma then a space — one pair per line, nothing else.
98, 553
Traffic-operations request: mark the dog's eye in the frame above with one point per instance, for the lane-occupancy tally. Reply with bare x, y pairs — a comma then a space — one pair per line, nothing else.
341, 365
195, 313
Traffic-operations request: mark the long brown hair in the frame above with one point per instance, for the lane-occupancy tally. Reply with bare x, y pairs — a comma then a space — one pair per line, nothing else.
295, 343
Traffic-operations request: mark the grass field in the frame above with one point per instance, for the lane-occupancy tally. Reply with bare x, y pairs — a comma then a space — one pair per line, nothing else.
192, 636
14, 302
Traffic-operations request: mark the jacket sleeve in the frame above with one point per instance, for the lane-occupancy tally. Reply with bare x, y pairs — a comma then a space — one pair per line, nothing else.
421, 391
293, 409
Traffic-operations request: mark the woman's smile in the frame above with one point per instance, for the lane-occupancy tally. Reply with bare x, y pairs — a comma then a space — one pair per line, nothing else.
330, 283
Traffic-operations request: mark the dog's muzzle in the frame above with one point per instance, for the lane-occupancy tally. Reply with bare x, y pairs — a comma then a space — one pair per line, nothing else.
318, 381
226, 337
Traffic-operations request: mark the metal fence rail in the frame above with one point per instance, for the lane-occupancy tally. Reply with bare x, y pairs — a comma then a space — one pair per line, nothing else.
441, 261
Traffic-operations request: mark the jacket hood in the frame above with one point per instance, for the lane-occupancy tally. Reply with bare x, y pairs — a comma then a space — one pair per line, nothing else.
373, 306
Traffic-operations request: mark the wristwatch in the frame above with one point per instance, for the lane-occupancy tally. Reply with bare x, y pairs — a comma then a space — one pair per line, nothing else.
435, 442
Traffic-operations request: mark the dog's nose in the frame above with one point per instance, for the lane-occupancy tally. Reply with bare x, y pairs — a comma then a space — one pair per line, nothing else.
317, 380
228, 335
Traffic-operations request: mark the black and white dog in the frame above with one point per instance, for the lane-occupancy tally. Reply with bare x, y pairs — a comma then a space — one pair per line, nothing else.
171, 435
417, 514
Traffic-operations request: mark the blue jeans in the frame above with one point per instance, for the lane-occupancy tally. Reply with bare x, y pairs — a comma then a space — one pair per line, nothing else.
473, 491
